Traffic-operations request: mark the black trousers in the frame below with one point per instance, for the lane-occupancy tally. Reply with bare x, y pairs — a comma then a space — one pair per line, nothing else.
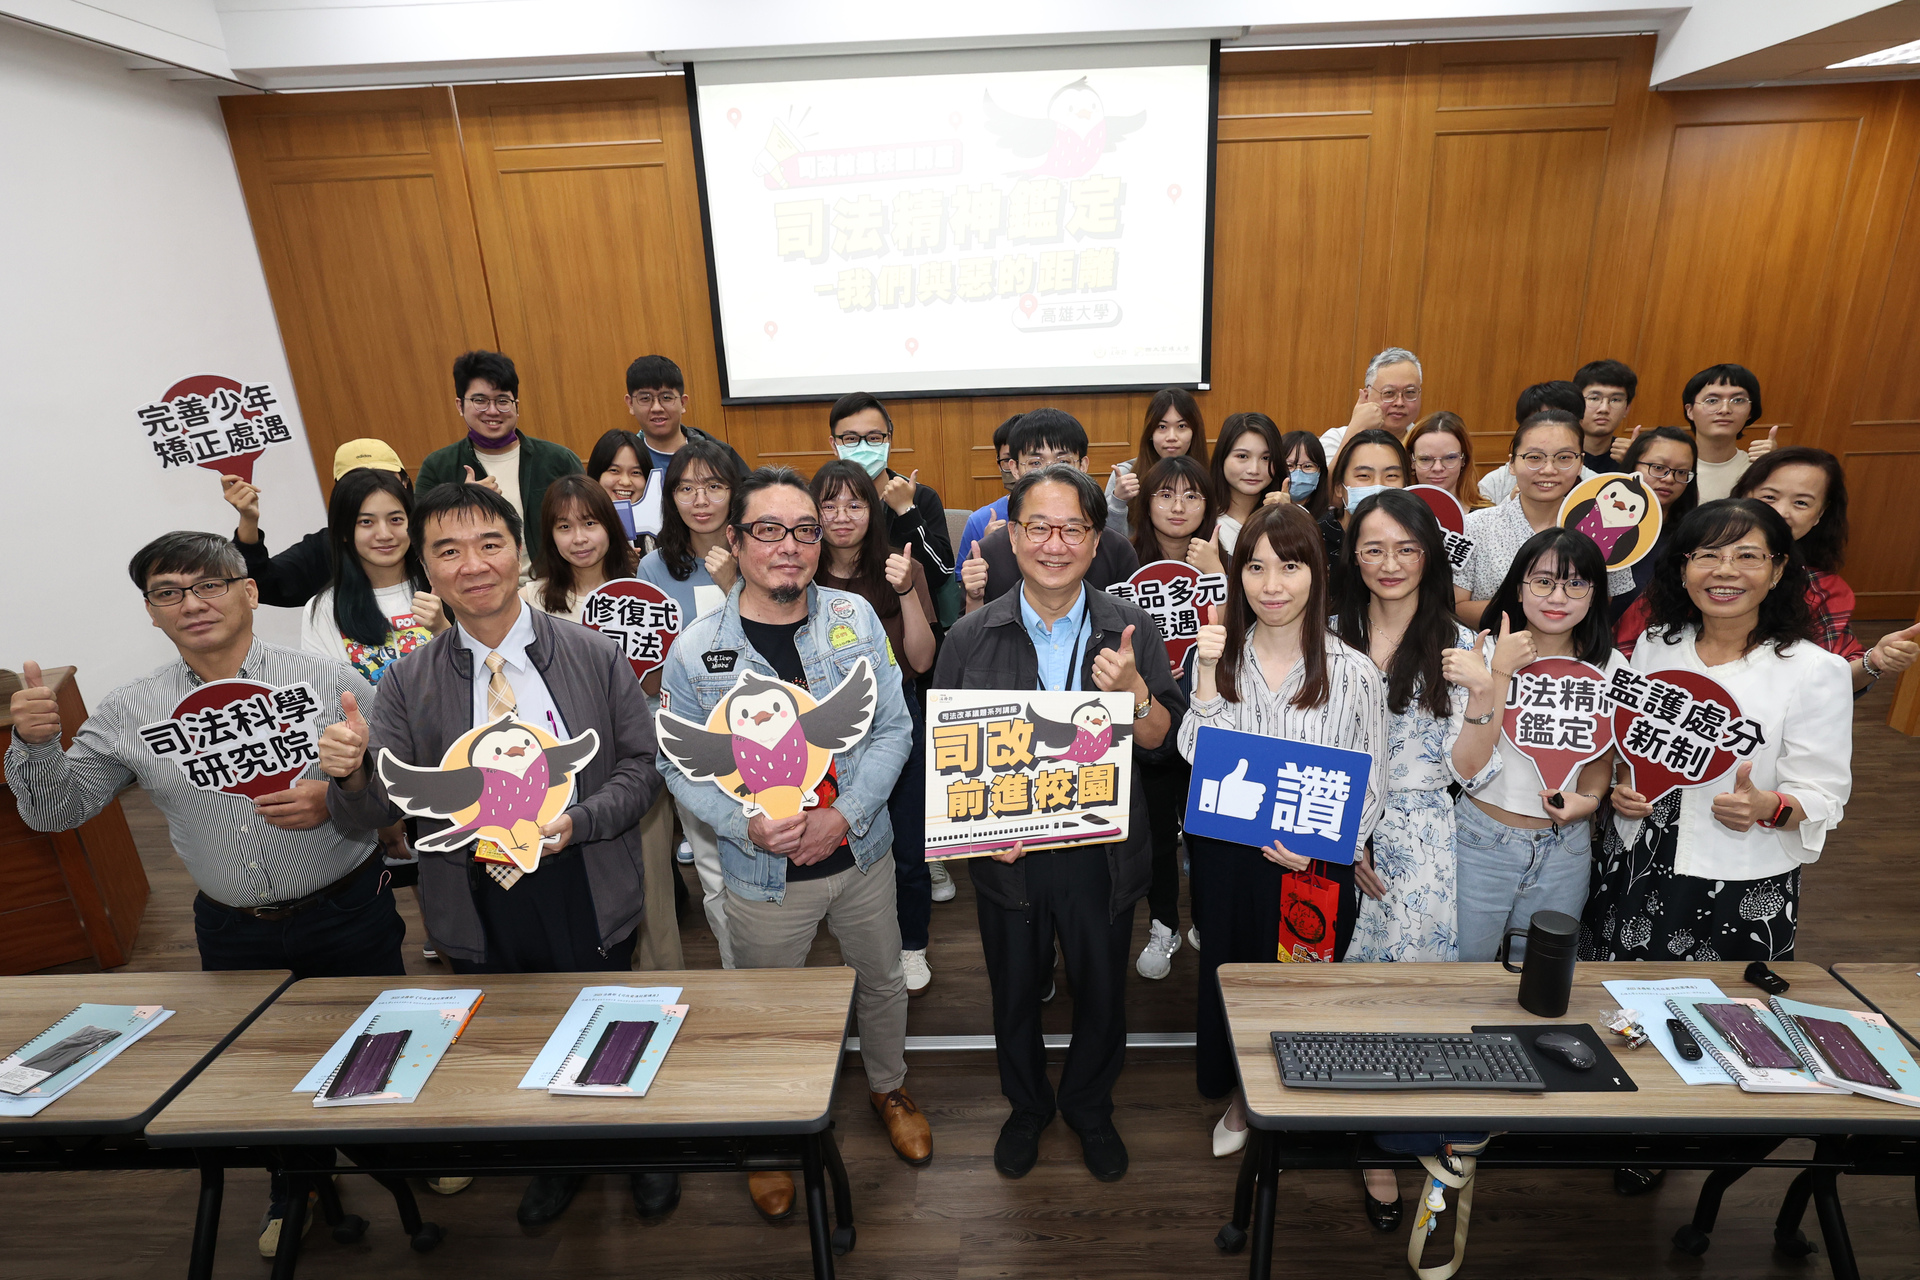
1236, 891
356, 933
1068, 895
907, 809
1166, 788
544, 924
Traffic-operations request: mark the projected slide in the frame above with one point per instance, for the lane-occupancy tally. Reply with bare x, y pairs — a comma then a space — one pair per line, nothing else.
959, 222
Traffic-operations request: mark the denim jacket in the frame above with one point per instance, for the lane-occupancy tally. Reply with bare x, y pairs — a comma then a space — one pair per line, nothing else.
690, 688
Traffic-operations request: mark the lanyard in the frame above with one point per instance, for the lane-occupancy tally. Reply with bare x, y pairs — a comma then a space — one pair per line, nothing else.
1080, 638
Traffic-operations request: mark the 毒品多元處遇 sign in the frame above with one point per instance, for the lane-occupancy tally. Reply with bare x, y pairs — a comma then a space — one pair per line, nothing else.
1253, 790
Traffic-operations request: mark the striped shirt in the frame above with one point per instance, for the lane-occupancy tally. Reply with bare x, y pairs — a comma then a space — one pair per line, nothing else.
233, 855
1354, 715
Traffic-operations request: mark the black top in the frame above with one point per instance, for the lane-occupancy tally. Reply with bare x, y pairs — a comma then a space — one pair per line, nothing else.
1602, 463
923, 529
774, 642
295, 576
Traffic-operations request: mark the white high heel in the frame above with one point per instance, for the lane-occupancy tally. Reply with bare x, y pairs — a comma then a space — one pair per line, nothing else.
1227, 1141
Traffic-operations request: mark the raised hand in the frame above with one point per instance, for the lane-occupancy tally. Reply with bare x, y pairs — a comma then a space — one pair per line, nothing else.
1619, 449
900, 572
1468, 667
991, 526
1212, 640
241, 496
488, 483
343, 744
1114, 670
1746, 804
973, 575
1896, 652
1514, 651
1277, 497
36, 713
1204, 553
899, 492
430, 612
1367, 414
722, 568
1761, 448
1126, 485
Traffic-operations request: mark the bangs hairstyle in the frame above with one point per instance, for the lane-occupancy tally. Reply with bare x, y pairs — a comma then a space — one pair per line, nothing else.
1560, 553
1357, 439
1184, 470
1054, 429
1825, 545
1293, 537
608, 447
1784, 615
1550, 395
355, 612
1734, 375
1607, 373
857, 402
1237, 425
676, 540
1545, 418
1180, 401
655, 373
490, 365
1093, 502
1415, 666
1690, 496
188, 553
1322, 496
577, 497
765, 478
1451, 424
476, 500
869, 576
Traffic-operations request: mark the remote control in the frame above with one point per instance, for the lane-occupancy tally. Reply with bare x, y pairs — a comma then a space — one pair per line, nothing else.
1683, 1040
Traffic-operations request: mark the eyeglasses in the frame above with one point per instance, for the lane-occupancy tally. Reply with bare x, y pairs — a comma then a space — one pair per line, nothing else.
872, 437
1408, 396
1744, 558
502, 402
774, 531
211, 589
1073, 533
1406, 553
1175, 497
687, 489
647, 399
1565, 460
1714, 402
1542, 586
1657, 472
1443, 460
846, 506
1600, 397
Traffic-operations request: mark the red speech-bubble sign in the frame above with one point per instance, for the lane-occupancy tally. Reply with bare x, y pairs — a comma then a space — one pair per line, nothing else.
641, 618
1678, 729
213, 421
1452, 516
1173, 593
240, 737
1558, 716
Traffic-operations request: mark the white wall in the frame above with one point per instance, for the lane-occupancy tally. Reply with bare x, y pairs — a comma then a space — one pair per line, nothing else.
128, 264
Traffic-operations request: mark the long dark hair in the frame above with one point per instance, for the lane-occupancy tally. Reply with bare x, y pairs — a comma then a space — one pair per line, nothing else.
1415, 666
608, 447
1322, 496
869, 577
1181, 401
1292, 535
1690, 496
1824, 546
1355, 440
577, 495
1784, 615
1568, 555
355, 611
1237, 425
676, 540
1163, 473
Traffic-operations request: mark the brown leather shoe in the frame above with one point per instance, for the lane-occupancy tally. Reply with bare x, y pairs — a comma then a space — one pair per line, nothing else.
907, 1128
772, 1194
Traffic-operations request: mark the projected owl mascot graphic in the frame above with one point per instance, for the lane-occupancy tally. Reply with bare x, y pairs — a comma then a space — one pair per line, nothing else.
1072, 137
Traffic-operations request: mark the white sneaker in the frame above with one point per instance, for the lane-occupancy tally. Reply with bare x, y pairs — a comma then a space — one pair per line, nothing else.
684, 854
448, 1186
1156, 958
943, 889
1193, 936
919, 975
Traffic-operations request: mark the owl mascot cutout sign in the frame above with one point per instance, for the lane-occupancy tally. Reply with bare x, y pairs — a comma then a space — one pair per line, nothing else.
767, 743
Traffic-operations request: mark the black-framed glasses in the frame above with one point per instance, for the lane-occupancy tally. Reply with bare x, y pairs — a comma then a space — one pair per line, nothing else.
1657, 472
1542, 586
502, 402
207, 589
806, 533
872, 437
1073, 533
646, 399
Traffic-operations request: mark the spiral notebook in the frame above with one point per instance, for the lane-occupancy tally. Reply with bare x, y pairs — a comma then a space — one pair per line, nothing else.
391, 1048
66, 1053
610, 1043
1852, 1050
1748, 1041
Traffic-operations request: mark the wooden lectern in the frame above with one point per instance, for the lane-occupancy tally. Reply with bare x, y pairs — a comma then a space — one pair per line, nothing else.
65, 895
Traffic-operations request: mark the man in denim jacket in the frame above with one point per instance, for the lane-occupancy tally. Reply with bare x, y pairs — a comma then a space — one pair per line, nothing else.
833, 861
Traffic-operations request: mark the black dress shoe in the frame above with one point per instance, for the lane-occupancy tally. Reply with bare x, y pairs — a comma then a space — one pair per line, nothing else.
1383, 1214
547, 1197
655, 1194
1019, 1145
1632, 1180
1105, 1154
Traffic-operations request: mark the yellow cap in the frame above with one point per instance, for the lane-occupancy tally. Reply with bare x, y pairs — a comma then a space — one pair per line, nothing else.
377, 454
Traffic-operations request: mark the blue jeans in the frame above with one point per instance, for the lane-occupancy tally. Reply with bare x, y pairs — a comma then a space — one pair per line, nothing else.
1508, 873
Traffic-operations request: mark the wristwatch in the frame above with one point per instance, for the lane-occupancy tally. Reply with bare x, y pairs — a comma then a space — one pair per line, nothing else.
1485, 719
1141, 711
1780, 815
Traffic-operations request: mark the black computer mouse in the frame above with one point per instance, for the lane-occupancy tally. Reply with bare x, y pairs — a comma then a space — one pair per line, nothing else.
1566, 1048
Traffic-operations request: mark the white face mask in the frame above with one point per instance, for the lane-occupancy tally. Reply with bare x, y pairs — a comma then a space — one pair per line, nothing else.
873, 457
1359, 493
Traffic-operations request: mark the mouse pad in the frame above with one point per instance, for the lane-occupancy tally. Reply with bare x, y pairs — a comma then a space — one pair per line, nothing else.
1604, 1076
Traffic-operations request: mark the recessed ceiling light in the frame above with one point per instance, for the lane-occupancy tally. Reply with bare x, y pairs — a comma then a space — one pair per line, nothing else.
1900, 53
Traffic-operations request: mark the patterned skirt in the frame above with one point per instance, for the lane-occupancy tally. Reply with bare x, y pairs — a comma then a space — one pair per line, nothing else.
1640, 909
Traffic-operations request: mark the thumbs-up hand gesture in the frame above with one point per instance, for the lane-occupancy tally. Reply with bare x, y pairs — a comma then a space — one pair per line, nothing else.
1468, 667
1237, 797
1367, 414
1514, 650
1761, 448
900, 572
343, 744
1204, 553
1746, 804
1114, 670
1212, 640
899, 492
1896, 652
973, 575
36, 715
1126, 485
488, 483
1619, 449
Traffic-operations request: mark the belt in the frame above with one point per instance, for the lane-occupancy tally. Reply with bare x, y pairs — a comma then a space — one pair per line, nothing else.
281, 910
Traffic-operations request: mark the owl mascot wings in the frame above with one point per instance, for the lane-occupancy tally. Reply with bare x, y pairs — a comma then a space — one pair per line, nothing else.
767, 743
501, 782
1089, 735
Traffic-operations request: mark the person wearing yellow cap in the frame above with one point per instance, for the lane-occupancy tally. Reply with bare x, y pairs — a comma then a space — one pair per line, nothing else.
302, 571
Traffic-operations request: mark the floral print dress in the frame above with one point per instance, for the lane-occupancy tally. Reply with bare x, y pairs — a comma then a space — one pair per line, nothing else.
1413, 844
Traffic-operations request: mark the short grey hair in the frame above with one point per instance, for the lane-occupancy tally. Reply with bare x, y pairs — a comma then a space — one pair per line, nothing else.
1392, 355
186, 552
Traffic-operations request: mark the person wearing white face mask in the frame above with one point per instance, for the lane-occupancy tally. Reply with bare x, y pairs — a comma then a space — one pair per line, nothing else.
1369, 461
862, 433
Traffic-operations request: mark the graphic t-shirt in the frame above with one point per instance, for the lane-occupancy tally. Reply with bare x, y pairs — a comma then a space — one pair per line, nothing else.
320, 633
774, 642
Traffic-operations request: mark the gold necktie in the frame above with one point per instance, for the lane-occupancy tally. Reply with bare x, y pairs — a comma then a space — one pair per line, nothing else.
500, 696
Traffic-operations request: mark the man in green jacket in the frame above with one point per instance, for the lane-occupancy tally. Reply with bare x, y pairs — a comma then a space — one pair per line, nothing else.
496, 452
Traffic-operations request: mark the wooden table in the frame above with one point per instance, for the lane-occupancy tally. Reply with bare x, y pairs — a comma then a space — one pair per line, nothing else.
1893, 989
747, 1085
1661, 1125
98, 1125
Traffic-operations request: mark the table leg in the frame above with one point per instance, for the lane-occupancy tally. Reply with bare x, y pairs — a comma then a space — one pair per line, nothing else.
843, 1232
1260, 1265
1833, 1225
1788, 1238
1232, 1238
287, 1256
819, 1234
206, 1222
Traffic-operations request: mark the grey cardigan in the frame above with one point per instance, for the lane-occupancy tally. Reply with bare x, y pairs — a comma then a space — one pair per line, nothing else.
426, 701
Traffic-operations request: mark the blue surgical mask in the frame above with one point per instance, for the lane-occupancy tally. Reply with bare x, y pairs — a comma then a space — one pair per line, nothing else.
871, 456
1359, 493
1302, 483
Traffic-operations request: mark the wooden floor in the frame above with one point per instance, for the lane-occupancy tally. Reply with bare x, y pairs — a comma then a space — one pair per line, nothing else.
958, 1217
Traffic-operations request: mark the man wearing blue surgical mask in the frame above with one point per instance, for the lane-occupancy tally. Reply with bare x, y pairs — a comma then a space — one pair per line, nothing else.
862, 433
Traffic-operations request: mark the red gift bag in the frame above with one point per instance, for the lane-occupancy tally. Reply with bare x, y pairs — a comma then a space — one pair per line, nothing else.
1309, 908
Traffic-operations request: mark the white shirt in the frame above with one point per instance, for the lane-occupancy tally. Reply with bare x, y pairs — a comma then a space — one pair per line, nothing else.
504, 469
1499, 483
1803, 699
1498, 533
1229, 531
1517, 786
1330, 441
1716, 479
535, 702
320, 632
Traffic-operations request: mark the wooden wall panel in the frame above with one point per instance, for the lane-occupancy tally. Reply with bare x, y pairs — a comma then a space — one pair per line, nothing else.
359, 207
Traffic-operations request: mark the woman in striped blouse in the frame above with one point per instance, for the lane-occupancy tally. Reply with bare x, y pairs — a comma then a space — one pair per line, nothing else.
1271, 667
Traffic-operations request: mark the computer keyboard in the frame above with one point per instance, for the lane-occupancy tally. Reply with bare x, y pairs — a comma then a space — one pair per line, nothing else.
1403, 1060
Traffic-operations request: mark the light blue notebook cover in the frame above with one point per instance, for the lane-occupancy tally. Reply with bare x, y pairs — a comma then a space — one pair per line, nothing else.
435, 1019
